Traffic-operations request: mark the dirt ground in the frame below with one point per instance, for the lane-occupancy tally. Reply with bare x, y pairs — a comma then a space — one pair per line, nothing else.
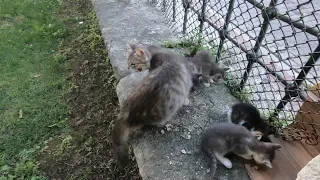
84, 152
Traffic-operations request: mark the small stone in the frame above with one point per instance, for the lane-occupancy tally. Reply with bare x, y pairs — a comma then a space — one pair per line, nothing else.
183, 151
162, 131
168, 127
170, 162
208, 170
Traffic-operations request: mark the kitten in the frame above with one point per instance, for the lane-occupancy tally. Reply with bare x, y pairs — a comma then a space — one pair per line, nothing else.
202, 63
154, 101
248, 116
139, 56
224, 138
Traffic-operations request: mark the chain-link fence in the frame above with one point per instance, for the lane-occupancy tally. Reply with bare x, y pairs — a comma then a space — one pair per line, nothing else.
271, 47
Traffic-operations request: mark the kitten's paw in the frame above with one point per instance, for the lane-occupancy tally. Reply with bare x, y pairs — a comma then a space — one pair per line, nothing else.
211, 81
206, 84
227, 163
186, 102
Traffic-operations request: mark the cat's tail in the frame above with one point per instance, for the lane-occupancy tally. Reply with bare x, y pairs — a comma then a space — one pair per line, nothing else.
213, 160
120, 136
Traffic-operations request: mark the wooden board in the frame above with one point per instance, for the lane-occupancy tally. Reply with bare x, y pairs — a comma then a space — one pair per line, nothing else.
294, 155
289, 160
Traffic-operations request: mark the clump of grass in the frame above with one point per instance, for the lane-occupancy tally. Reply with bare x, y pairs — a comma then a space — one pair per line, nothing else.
193, 44
32, 84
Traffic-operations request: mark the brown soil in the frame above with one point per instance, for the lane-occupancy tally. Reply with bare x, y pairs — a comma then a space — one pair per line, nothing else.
86, 153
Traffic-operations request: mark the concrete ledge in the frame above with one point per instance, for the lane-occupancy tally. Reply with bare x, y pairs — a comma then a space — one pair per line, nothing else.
133, 21
173, 152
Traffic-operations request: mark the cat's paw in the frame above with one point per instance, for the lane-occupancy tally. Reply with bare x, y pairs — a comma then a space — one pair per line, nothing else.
206, 84
211, 81
186, 102
227, 163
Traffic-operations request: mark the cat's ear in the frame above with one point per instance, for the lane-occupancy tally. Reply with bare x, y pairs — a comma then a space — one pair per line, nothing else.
131, 46
140, 52
267, 163
226, 69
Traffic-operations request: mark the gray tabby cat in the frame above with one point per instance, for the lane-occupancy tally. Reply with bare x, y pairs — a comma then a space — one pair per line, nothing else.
202, 63
224, 138
155, 100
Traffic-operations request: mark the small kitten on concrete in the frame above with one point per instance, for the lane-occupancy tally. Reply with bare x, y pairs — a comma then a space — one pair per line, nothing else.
224, 138
155, 100
139, 56
248, 116
202, 63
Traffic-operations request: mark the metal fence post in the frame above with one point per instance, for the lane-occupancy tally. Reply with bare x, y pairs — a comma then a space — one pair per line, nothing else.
268, 14
201, 18
174, 10
292, 90
164, 4
186, 6
224, 30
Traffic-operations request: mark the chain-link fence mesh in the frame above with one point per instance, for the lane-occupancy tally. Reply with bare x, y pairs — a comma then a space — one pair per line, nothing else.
271, 47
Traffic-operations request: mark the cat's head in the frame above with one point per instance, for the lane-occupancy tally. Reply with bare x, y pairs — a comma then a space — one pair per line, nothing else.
138, 58
218, 75
266, 153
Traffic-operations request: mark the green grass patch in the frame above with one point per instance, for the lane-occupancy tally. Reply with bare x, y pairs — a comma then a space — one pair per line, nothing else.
32, 84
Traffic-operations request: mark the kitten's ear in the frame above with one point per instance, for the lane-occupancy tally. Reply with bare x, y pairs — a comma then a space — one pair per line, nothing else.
140, 52
131, 46
267, 163
226, 69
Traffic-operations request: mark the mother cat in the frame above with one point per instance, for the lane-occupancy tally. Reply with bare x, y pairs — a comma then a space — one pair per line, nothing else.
155, 100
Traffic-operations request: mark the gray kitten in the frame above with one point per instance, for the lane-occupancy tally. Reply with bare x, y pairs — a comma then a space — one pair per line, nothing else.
202, 63
224, 138
139, 56
154, 101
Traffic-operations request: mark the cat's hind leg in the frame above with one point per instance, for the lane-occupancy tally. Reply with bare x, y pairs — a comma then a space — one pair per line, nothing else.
225, 161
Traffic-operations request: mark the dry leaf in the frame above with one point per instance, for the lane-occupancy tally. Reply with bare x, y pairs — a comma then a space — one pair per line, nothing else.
37, 75
20, 113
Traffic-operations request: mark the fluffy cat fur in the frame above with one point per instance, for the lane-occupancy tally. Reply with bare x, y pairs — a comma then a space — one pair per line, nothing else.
225, 138
139, 59
202, 63
154, 101
248, 116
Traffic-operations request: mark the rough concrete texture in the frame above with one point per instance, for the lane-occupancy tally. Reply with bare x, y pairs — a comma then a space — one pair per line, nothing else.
311, 171
173, 152
122, 22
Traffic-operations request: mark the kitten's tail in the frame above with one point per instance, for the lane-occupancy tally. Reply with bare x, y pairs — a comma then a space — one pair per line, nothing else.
213, 160
120, 136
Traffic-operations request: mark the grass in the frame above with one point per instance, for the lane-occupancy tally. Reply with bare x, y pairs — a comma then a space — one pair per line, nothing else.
57, 95
192, 45
32, 83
